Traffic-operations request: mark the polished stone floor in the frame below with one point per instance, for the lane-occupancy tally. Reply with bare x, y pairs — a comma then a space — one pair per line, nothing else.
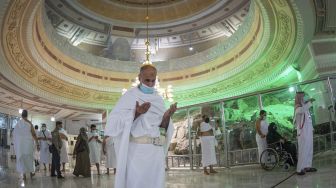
240, 177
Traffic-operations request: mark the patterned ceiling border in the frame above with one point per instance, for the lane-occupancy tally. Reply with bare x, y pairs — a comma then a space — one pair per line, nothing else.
250, 36
266, 69
271, 62
38, 82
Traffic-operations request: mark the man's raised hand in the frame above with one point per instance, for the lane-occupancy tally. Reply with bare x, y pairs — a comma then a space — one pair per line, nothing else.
141, 109
170, 111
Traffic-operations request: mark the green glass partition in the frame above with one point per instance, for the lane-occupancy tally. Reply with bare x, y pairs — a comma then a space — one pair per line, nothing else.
233, 123
179, 147
240, 116
280, 110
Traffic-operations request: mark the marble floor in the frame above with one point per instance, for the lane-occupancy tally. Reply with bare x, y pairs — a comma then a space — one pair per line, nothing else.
240, 177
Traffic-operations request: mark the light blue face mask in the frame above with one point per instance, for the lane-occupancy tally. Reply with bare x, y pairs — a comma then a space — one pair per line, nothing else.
145, 89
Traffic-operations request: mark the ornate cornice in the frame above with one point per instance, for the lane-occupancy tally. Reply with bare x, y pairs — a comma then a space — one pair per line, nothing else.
253, 58
265, 69
33, 78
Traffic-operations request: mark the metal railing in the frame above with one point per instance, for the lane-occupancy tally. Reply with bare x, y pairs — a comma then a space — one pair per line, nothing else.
322, 143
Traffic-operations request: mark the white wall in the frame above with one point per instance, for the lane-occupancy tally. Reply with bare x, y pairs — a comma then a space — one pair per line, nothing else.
39, 121
72, 126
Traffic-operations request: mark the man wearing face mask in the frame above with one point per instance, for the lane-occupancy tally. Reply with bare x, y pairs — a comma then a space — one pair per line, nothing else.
56, 150
304, 130
44, 137
141, 129
95, 147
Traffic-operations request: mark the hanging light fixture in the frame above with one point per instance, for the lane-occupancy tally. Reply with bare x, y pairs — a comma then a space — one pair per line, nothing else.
165, 93
147, 53
52, 118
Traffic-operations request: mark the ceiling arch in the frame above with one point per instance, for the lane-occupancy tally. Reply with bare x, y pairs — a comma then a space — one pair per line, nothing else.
255, 57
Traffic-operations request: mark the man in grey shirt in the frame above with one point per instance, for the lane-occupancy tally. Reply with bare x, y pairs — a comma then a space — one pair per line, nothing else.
55, 151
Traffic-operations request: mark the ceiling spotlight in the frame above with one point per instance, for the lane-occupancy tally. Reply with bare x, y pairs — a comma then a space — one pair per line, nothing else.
291, 89
21, 108
191, 48
123, 91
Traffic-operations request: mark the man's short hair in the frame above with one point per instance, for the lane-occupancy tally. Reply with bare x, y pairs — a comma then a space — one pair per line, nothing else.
147, 66
24, 114
36, 127
93, 126
58, 123
44, 125
262, 112
207, 120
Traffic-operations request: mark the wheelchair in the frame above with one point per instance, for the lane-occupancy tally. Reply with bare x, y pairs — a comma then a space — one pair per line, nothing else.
274, 156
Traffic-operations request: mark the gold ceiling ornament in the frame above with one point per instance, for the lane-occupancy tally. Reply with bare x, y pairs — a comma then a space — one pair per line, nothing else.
165, 93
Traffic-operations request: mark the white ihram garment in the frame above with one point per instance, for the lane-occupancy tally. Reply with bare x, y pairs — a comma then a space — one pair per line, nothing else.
45, 156
95, 149
64, 156
304, 128
111, 161
138, 165
24, 147
208, 146
261, 142
36, 152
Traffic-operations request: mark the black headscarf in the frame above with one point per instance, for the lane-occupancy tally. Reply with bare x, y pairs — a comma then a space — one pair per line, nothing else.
272, 135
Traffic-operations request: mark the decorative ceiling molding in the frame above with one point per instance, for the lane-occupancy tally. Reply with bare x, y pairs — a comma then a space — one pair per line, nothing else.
45, 85
266, 69
261, 52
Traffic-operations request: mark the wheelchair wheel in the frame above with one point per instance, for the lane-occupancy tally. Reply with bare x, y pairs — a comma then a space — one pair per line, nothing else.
269, 159
286, 166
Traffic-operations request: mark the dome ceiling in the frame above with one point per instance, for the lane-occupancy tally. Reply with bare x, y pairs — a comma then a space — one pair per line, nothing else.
41, 60
173, 25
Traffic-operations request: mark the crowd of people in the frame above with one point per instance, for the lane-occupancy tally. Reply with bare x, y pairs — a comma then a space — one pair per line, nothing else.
138, 133
34, 148
139, 122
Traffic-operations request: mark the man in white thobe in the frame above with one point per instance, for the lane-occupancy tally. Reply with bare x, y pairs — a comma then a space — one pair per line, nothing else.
208, 146
94, 147
44, 137
304, 128
109, 152
138, 124
24, 139
64, 156
261, 133
36, 151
